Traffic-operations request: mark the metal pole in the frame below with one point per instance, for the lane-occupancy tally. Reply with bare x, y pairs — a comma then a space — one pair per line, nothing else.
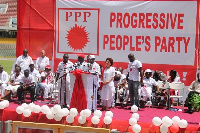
8, 127
1, 126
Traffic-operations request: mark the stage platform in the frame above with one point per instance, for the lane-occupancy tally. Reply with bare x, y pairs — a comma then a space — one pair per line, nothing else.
120, 119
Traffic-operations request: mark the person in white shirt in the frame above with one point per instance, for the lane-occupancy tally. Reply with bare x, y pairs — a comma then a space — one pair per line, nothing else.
120, 87
117, 81
35, 73
4, 78
46, 81
14, 84
94, 67
146, 90
26, 84
122, 91
135, 78
81, 64
24, 60
63, 78
41, 62
120, 69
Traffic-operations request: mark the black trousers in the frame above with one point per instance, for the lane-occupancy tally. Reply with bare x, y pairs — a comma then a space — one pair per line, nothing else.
20, 92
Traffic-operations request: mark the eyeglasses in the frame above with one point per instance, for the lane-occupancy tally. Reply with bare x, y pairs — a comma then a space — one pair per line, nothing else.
148, 73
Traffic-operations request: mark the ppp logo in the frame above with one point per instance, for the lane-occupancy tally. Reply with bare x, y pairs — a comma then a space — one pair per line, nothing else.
81, 27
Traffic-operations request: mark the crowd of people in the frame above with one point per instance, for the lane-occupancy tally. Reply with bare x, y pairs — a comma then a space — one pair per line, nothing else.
115, 86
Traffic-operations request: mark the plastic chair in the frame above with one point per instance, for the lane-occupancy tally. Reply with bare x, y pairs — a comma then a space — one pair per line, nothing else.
177, 86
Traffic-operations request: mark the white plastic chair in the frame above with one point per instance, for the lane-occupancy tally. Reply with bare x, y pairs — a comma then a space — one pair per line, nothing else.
177, 86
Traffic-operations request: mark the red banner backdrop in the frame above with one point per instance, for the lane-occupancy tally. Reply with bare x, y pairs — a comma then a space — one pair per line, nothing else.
35, 25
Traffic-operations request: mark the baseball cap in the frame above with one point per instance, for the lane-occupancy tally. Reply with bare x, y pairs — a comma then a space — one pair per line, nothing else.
48, 67
32, 62
81, 55
92, 57
148, 71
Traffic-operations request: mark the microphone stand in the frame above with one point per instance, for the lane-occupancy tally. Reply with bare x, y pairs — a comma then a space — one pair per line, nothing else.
64, 75
93, 97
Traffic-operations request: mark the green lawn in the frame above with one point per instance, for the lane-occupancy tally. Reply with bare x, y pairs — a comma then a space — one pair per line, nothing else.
7, 65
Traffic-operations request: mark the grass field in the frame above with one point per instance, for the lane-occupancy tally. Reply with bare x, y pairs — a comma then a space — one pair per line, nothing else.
7, 65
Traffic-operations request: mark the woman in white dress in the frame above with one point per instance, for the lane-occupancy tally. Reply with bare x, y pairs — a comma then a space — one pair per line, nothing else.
108, 84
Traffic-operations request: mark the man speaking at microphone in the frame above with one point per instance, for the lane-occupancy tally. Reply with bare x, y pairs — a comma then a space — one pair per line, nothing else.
63, 78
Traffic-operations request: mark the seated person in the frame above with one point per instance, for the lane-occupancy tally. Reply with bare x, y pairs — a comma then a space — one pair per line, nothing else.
162, 99
117, 82
15, 83
159, 75
26, 84
120, 69
121, 87
4, 78
124, 92
46, 81
146, 90
173, 78
192, 100
32, 71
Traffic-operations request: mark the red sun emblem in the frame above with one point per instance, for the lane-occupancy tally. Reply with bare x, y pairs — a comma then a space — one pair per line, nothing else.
77, 37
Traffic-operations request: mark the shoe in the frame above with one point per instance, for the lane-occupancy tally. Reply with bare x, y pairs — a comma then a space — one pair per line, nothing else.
65, 106
103, 109
123, 105
117, 104
32, 100
167, 108
107, 109
113, 106
189, 111
19, 102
